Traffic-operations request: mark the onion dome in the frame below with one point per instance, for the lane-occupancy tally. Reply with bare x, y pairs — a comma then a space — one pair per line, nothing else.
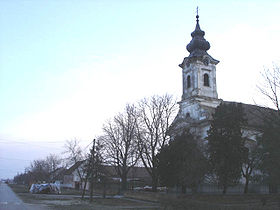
198, 45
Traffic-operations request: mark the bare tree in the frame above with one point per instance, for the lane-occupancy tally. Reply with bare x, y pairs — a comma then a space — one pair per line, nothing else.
39, 170
155, 116
121, 143
251, 163
270, 86
73, 151
42, 169
53, 161
74, 154
269, 140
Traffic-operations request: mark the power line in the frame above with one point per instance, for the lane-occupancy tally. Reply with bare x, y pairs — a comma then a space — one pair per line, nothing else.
27, 141
10, 170
88, 145
13, 159
39, 144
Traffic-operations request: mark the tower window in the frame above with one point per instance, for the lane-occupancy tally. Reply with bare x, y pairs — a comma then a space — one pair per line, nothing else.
189, 81
206, 80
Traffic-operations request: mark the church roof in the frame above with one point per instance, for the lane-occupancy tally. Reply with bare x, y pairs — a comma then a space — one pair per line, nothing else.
198, 45
255, 115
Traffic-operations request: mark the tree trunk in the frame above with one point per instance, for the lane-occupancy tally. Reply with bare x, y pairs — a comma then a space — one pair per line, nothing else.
273, 188
104, 188
224, 189
183, 189
85, 185
154, 183
246, 185
124, 183
91, 189
194, 189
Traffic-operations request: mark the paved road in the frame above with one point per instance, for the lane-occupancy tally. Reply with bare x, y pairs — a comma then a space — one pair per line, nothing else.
10, 201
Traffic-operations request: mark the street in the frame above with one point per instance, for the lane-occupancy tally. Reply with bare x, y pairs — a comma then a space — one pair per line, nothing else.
10, 201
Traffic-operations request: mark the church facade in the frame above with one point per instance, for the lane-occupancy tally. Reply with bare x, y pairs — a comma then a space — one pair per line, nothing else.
200, 97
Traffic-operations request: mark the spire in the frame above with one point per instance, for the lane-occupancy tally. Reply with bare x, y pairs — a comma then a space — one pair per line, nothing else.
198, 45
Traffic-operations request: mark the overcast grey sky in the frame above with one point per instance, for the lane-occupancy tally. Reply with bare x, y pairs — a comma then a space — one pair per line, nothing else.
67, 66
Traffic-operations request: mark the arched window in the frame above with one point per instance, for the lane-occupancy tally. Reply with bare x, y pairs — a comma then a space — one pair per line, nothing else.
189, 81
206, 80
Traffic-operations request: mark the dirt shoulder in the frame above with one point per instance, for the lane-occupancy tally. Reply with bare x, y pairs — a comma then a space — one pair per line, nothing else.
69, 202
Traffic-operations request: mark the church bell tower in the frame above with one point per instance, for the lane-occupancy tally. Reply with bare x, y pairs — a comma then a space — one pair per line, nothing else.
199, 97
199, 68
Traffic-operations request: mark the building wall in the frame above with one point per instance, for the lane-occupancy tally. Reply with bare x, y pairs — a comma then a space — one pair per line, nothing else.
196, 71
68, 181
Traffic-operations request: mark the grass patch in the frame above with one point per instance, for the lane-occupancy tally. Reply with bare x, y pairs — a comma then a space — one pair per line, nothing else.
67, 191
223, 202
116, 202
96, 191
19, 188
73, 207
206, 202
107, 203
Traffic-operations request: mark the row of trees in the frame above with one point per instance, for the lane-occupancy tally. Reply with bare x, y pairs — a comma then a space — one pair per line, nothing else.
131, 138
135, 136
48, 168
40, 170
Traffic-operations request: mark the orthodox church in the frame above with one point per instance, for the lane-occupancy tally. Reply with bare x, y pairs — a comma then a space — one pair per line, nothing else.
200, 97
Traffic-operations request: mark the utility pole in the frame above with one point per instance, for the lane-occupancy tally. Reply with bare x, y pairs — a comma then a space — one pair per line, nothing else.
92, 163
